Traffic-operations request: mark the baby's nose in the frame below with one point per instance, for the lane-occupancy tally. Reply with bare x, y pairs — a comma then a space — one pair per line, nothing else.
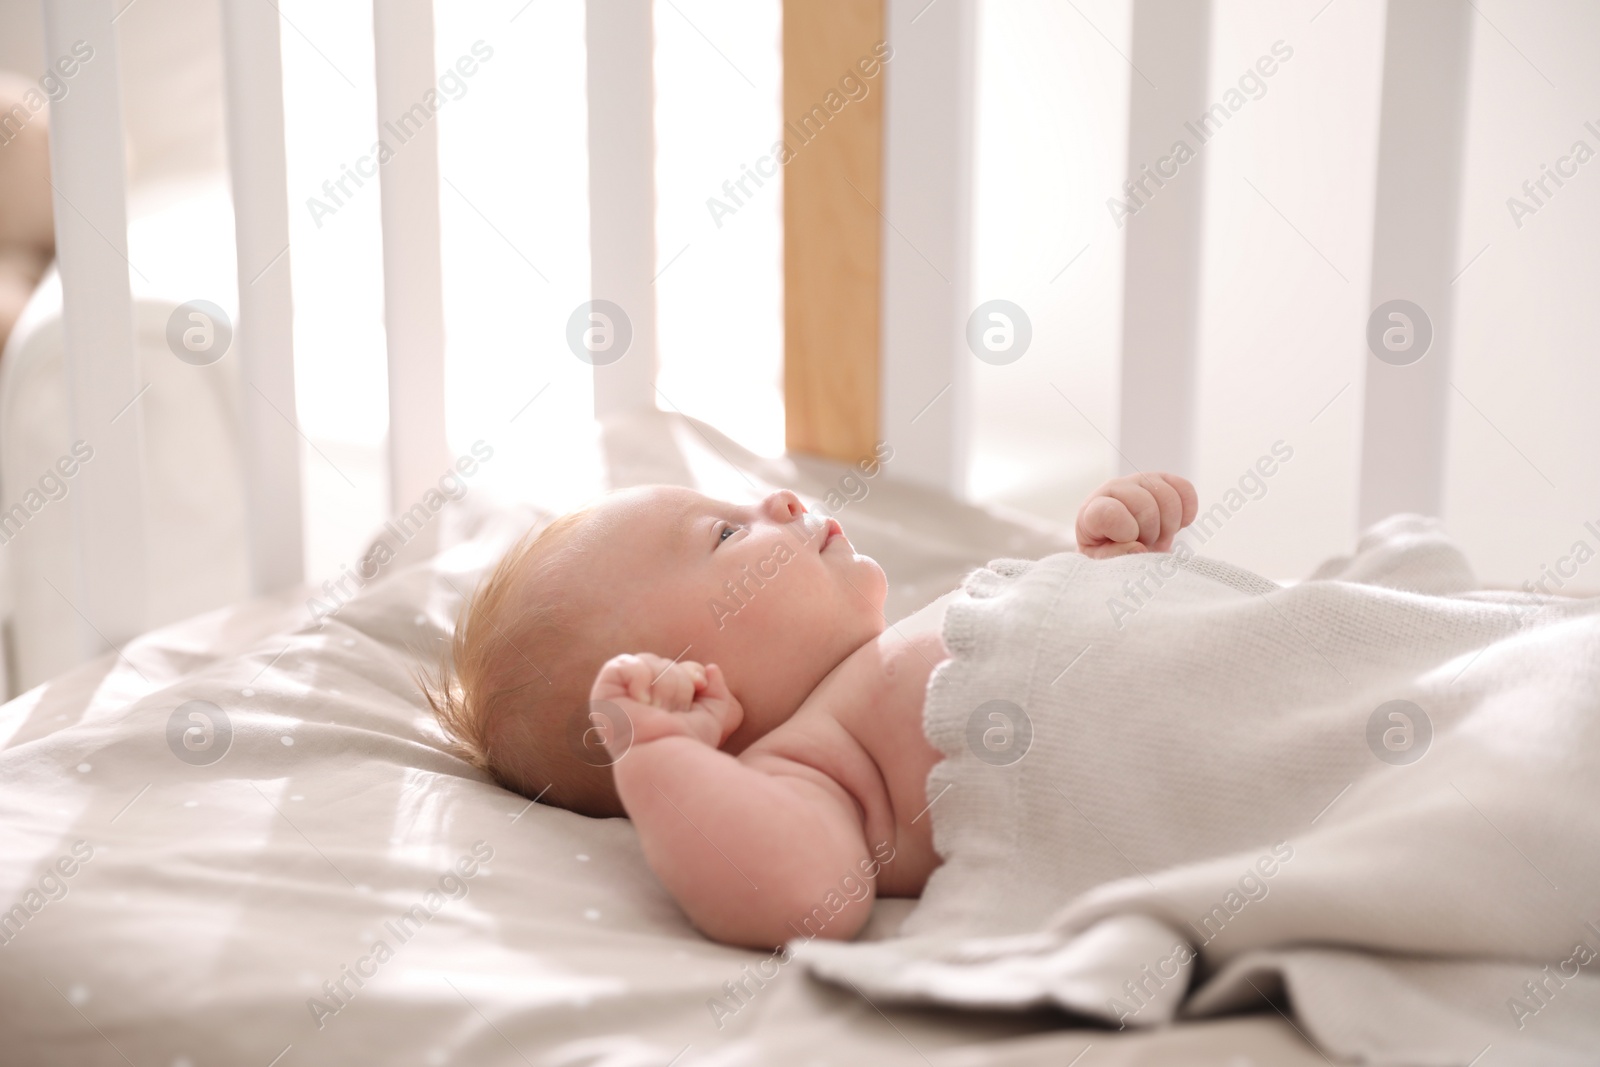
784, 506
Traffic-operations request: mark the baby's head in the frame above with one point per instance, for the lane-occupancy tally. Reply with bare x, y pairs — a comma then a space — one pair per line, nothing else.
772, 594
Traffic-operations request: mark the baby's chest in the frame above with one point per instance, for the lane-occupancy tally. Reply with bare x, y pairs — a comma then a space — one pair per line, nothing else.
900, 748
892, 730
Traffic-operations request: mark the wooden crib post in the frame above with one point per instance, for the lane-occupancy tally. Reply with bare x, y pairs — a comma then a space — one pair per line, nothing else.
877, 108
1410, 331
832, 192
89, 174
253, 70
413, 294
622, 211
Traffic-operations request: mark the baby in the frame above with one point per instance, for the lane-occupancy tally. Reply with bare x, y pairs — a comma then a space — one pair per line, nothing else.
760, 750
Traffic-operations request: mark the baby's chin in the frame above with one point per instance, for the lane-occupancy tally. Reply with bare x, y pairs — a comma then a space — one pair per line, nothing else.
878, 593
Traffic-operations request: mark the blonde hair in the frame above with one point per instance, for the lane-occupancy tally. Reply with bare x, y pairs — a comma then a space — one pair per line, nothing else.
518, 671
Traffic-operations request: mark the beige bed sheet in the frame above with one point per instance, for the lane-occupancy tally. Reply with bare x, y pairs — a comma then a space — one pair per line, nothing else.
210, 900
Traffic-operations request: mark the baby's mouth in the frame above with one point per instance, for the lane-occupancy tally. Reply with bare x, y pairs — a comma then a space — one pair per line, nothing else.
831, 531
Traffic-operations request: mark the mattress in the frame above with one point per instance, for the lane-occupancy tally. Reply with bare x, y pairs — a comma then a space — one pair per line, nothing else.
242, 839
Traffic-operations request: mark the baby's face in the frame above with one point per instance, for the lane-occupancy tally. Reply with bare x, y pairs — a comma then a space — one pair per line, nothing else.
775, 596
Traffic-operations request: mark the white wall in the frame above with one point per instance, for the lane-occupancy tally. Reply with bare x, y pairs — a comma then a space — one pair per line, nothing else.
514, 204
1528, 357
1281, 330
719, 88
1050, 143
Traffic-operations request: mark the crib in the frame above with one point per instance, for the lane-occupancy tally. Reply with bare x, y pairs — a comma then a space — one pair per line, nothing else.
879, 347
900, 376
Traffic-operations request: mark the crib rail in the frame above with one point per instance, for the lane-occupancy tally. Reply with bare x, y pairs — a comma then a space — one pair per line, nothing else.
413, 304
87, 171
620, 82
264, 334
1162, 243
1421, 135
927, 189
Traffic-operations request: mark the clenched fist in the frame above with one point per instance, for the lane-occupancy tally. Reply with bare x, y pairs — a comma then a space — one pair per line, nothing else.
665, 699
1136, 513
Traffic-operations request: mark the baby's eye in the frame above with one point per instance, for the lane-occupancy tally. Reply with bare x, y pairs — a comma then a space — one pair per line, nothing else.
726, 532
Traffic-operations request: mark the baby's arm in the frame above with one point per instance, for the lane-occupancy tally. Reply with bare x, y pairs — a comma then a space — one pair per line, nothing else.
748, 846
1137, 513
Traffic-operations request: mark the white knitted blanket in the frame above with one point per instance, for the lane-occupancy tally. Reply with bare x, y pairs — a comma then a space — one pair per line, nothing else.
1173, 788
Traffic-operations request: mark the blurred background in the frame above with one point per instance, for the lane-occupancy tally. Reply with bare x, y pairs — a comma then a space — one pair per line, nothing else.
1287, 237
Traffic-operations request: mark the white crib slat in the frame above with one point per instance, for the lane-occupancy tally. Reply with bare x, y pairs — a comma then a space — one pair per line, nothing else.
89, 174
927, 240
1162, 238
264, 335
1421, 142
622, 245
413, 301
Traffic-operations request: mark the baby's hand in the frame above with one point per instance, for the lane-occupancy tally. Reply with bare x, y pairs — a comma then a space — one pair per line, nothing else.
664, 699
1137, 513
